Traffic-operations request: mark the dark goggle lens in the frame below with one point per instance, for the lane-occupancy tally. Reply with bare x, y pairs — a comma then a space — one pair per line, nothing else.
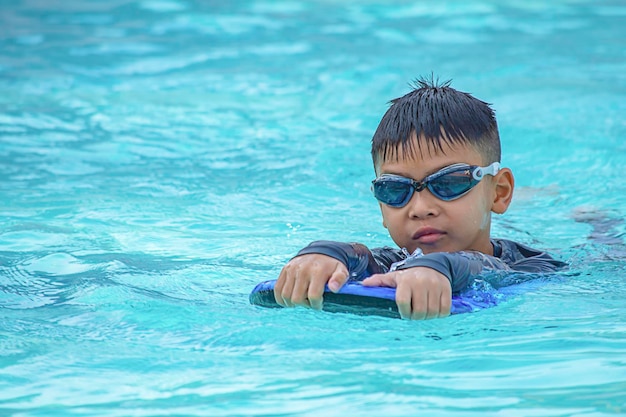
392, 192
452, 185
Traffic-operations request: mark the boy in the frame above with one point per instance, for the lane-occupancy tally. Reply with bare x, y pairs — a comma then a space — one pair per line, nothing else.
436, 155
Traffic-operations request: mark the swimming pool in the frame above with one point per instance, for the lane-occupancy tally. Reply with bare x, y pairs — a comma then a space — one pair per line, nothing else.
159, 158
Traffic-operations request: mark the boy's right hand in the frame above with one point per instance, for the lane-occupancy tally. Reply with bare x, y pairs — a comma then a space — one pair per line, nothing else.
302, 280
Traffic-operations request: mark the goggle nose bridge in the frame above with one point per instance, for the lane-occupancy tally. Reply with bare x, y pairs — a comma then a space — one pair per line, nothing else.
419, 185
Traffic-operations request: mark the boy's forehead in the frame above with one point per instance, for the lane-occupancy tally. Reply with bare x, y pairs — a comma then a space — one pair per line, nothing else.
421, 149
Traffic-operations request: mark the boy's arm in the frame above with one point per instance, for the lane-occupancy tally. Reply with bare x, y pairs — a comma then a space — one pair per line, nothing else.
460, 268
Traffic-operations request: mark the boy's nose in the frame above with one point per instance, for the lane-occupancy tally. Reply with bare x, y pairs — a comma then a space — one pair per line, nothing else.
422, 204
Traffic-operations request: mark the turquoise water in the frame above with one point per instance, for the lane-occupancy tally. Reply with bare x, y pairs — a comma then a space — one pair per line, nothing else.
159, 158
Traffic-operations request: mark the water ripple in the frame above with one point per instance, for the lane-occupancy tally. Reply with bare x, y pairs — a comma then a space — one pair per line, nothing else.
159, 158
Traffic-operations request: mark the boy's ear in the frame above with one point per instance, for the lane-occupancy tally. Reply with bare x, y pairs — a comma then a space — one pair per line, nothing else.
504, 185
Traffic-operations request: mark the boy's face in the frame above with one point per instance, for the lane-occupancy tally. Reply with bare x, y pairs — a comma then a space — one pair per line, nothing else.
434, 225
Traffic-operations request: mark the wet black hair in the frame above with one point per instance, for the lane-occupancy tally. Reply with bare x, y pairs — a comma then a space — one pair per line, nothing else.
436, 113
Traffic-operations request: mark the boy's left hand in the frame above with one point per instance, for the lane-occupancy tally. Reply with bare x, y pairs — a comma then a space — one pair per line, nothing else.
421, 293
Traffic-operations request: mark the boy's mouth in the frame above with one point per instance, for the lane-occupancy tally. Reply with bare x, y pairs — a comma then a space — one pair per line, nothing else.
428, 235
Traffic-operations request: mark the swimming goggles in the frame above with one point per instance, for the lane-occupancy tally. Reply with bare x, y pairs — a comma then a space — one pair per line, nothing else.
447, 184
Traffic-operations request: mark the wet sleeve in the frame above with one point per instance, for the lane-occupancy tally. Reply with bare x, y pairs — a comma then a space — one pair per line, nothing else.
460, 267
360, 261
513, 264
527, 259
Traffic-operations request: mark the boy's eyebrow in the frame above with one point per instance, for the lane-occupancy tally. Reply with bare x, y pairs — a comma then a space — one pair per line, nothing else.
403, 174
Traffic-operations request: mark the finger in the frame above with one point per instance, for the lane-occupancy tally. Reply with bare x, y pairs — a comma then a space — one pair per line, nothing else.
433, 306
287, 289
338, 278
403, 301
316, 294
381, 280
445, 304
278, 287
419, 305
300, 291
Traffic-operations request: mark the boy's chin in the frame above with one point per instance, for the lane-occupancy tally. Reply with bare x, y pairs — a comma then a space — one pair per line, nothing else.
426, 249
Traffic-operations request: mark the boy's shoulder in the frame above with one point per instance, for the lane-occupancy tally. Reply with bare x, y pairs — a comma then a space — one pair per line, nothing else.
524, 258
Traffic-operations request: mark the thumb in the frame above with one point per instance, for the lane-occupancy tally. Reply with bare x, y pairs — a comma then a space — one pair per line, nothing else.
381, 280
338, 278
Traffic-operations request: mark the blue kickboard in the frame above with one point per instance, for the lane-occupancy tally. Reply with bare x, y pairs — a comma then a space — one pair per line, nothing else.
356, 298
